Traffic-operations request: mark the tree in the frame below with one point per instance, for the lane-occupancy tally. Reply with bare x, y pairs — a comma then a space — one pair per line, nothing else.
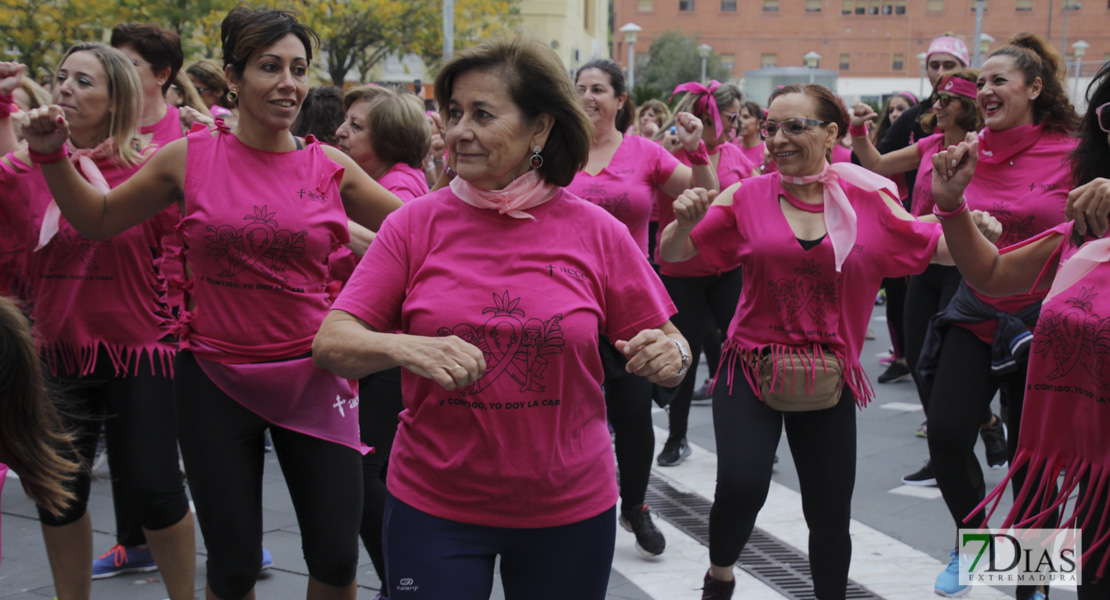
40, 31
674, 60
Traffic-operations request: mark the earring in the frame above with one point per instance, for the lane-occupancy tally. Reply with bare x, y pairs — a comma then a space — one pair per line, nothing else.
232, 96
536, 161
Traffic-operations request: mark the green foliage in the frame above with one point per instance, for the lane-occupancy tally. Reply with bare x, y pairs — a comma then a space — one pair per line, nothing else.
643, 93
674, 60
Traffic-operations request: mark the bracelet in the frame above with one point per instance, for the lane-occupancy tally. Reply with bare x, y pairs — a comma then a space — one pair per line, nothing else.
857, 130
944, 215
700, 156
49, 158
6, 107
685, 358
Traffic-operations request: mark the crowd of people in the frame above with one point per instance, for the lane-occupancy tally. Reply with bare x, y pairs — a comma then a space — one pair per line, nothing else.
449, 313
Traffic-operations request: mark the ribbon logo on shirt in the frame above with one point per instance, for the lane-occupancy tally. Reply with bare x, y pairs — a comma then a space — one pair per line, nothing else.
261, 240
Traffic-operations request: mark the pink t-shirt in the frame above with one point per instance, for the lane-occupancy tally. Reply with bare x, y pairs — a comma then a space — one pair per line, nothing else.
755, 154
732, 167
923, 186
841, 154
626, 187
527, 445
405, 182
1022, 178
219, 112
90, 296
793, 299
13, 264
167, 129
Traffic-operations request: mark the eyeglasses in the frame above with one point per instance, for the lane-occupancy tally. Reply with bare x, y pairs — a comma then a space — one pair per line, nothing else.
790, 127
201, 90
1103, 117
732, 117
943, 98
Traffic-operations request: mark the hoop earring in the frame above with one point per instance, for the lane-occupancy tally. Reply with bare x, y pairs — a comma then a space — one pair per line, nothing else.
536, 161
232, 96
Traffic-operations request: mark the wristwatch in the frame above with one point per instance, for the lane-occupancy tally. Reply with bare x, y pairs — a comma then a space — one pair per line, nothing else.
685, 358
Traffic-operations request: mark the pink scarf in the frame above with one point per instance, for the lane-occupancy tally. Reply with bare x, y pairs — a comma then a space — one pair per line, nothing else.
1089, 256
526, 191
705, 104
840, 217
85, 161
996, 147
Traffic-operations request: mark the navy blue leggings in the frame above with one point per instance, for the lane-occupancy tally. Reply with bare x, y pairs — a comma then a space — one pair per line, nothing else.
432, 558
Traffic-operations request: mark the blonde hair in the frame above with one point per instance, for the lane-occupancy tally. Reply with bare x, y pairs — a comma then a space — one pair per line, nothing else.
124, 93
35, 92
190, 94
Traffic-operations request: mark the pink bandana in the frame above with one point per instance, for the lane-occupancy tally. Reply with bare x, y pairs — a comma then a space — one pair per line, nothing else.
85, 161
1089, 256
840, 217
524, 192
705, 104
949, 45
956, 85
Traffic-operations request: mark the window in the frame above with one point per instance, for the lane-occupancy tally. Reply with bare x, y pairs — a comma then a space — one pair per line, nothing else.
813, 5
888, 7
646, 5
897, 63
873, 7
770, 5
846, 7
686, 5
588, 16
845, 62
1024, 5
728, 5
975, 4
727, 61
768, 61
934, 5
861, 7
899, 7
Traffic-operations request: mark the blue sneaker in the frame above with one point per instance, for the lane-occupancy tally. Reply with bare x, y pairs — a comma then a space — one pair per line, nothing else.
948, 582
123, 559
267, 560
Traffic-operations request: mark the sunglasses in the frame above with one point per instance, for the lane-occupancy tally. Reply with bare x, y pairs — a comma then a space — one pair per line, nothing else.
943, 98
1103, 117
732, 117
790, 127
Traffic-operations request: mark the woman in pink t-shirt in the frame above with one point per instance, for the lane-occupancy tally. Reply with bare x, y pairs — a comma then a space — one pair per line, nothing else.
748, 138
698, 289
502, 285
814, 242
1065, 410
101, 322
262, 212
156, 53
1022, 178
623, 176
387, 134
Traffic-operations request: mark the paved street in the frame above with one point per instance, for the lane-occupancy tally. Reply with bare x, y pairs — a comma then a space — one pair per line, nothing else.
901, 534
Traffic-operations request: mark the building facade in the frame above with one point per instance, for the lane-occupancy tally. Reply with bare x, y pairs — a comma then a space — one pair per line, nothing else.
858, 38
578, 30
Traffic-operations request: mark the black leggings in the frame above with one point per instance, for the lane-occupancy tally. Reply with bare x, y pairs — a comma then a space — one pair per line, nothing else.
137, 415
895, 313
823, 443
221, 443
926, 295
379, 406
962, 388
694, 297
628, 405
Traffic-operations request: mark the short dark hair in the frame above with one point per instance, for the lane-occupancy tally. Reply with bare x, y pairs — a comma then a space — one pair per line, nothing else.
321, 114
157, 45
245, 31
537, 83
627, 114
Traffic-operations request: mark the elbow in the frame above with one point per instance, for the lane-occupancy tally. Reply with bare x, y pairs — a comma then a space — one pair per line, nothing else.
324, 354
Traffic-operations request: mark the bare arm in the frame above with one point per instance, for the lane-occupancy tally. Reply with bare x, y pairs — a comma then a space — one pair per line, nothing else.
652, 354
977, 258
676, 245
11, 75
365, 200
351, 348
95, 214
361, 238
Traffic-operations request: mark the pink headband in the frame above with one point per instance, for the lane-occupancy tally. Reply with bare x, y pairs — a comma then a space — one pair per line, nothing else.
703, 104
956, 85
949, 45
908, 95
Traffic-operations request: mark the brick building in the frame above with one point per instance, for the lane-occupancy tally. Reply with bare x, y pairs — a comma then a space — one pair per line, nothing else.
858, 38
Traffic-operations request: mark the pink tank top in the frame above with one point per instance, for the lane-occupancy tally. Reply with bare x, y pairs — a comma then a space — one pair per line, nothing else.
167, 129
91, 296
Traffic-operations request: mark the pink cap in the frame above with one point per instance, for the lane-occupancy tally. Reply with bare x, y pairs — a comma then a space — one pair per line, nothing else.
949, 45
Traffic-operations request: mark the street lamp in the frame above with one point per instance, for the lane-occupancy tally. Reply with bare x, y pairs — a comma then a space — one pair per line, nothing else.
630, 30
448, 29
921, 82
985, 41
812, 59
1080, 49
703, 51
1068, 6
976, 57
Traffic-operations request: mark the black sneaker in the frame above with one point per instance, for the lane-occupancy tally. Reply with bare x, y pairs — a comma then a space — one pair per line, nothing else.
715, 589
924, 476
994, 438
649, 539
702, 394
897, 371
674, 452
